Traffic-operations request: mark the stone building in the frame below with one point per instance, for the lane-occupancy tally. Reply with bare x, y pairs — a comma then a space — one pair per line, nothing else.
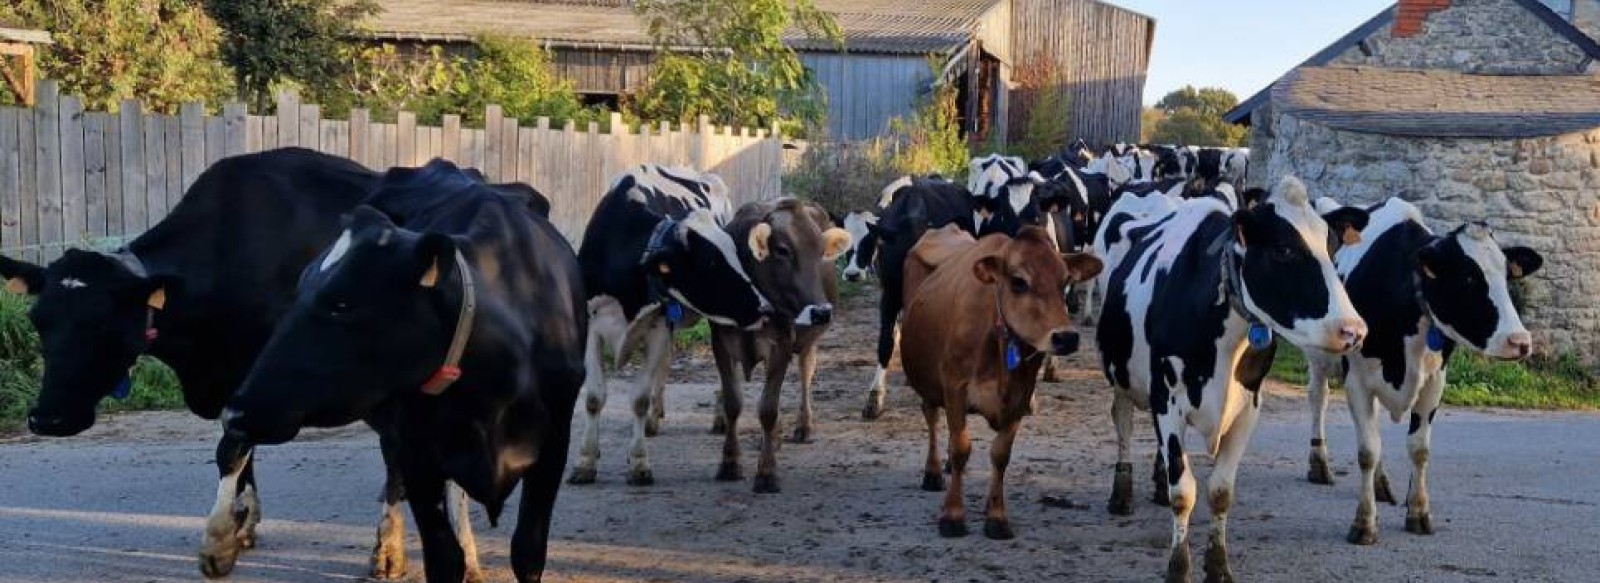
1473, 110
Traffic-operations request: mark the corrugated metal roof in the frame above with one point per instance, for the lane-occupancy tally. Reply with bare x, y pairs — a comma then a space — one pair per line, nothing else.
880, 26
1440, 103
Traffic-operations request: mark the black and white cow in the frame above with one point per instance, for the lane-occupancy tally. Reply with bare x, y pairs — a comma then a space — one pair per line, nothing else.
201, 291
1186, 332
1003, 192
452, 318
655, 257
1110, 241
863, 229
1423, 295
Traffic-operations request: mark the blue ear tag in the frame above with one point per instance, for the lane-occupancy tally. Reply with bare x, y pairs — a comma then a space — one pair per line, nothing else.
1013, 355
674, 312
1260, 336
123, 389
1435, 339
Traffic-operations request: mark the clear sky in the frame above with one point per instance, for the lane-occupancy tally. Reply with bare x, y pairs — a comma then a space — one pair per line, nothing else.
1241, 45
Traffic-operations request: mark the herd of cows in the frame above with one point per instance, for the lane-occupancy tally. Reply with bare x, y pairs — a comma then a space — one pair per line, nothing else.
292, 289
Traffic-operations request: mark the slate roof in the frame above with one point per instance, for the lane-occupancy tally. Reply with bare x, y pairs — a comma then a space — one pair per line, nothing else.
1241, 113
872, 26
1433, 103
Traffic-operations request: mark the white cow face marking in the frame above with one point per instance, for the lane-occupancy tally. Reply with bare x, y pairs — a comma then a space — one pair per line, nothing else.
1465, 280
73, 283
337, 252
1288, 277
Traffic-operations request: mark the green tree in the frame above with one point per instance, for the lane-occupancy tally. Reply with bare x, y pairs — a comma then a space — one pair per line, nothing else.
1194, 117
161, 52
271, 41
745, 75
1208, 101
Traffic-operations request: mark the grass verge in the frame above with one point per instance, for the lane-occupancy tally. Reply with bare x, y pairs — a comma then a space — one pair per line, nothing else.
1562, 383
21, 368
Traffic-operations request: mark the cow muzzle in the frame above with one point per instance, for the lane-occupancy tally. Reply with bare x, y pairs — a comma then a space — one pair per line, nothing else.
1347, 335
254, 429
815, 315
1064, 342
47, 425
1517, 346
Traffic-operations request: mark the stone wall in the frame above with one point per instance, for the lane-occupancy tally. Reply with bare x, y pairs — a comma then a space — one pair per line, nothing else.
1543, 193
1473, 36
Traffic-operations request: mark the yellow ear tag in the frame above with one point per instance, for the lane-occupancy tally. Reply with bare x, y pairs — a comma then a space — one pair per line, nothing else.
158, 299
1428, 272
662, 267
17, 286
1351, 235
430, 278
1516, 270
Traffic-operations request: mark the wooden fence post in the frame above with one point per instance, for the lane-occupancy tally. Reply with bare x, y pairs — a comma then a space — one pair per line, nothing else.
288, 119
492, 118
131, 125
47, 170
192, 136
10, 180
235, 129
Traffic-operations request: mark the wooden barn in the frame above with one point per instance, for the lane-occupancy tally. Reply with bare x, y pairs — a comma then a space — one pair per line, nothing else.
1099, 51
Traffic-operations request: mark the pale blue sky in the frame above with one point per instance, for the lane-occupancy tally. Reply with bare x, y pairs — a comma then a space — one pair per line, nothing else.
1241, 45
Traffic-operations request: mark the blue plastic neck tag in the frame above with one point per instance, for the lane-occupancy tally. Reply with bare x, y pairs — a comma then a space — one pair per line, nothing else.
123, 389
1260, 336
1013, 355
674, 312
1435, 339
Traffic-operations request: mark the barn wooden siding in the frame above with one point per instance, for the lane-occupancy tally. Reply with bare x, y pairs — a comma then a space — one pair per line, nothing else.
75, 178
1103, 53
602, 71
866, 91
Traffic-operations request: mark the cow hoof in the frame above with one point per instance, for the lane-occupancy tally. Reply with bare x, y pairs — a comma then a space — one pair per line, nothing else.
729, 472
1178, 564
801, 435
581, 476
998, 529
1319, 472
1422, 524
932, 482
652, 426
1121, 503
766, 484
952, 528
641, 478
388, 563
1217, 570
1383, 493
217, 563
872, 411
1362, 535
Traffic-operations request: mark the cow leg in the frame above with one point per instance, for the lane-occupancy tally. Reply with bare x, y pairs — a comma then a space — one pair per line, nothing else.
658, 392
389, 554
766, 481
1419, 517
461, 511
658, 347
888, 337
730, 399
594, 401
808, 372
250, 503
1381, 490
530, 541
1364, 531
932, 477
719, 419
1219, 492
1317, 395
442, 556
1180, 479
953, 520
1086, 313
996, 524
1158, 476
220, 547
1122, 407
1051, 372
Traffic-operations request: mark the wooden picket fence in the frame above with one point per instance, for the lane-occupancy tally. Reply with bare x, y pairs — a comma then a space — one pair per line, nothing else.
74, 178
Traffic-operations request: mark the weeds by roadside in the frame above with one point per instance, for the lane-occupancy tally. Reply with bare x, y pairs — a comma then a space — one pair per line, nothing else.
1474, 381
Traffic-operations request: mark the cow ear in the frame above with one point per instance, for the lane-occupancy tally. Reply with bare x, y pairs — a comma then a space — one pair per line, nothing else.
836, 241
435, 253
1243, 221
1035, 177
1427, 261
1082, 266
1347, 222
758, 241
987, 269
22, 277
1521, 262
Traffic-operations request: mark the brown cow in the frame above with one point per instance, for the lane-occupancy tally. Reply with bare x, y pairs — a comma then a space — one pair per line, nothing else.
971, 302
788, 249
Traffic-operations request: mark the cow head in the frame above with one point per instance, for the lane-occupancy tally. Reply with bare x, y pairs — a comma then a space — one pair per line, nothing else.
863, 229
1117, 172
790, 245
698, 262
373, 316
92, 311
1465, 278
1027, 276
1004, 199
1281, 255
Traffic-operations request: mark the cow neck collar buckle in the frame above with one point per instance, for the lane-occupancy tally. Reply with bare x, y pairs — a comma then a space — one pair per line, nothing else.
1259, 335
1436, 337
450, 371
1010, 351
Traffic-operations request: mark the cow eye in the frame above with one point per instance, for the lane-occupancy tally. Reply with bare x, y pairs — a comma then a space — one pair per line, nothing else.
1019, 285
1283, 254
339, 308
781, 251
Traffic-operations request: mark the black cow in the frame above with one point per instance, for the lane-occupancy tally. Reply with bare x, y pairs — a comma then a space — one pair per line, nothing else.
1187, 332
788, 247
453, 317
655, 257
1423, 295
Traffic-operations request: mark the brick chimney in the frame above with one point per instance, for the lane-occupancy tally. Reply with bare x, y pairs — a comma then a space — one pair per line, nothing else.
1408, 22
